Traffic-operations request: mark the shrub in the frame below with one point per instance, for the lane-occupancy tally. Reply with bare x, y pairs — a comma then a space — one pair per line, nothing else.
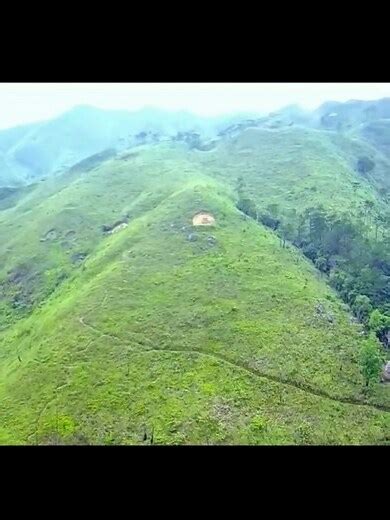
321, 264
365, 165
362, 307
269, 221
380, 324
370, 361
247, 206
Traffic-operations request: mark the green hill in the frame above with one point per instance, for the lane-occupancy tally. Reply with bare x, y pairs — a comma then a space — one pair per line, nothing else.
120, 318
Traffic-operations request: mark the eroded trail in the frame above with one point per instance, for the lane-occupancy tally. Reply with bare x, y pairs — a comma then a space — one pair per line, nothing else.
252, 371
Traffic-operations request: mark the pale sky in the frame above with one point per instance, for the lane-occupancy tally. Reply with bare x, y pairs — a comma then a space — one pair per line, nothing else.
27, 102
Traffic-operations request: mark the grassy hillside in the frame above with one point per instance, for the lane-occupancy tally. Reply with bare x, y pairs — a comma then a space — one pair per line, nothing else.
63, 221
205, 335
296, 168
63, 218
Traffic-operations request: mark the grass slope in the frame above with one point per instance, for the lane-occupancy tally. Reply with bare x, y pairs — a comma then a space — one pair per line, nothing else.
209, 339
295, 168
63, 218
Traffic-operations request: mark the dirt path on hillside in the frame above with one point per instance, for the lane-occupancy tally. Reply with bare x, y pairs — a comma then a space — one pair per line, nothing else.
252, 371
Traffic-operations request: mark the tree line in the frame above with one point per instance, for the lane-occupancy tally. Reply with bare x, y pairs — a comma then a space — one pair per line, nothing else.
352, 250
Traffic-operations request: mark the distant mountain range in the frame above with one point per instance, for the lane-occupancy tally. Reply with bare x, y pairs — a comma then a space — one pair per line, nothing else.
31, 152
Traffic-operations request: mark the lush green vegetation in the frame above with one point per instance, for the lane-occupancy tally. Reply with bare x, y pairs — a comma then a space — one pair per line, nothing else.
343, 247
236, 333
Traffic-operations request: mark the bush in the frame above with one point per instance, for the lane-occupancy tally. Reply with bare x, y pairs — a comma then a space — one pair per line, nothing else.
380, 324
370, 361
321, 264
365, 165
362, 307
310, 251
338, 279
269, 221
247, 206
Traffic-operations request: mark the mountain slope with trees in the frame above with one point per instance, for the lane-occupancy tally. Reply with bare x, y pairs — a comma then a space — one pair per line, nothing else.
123, 323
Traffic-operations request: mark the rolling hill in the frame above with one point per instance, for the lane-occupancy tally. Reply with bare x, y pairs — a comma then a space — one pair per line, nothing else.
122, 322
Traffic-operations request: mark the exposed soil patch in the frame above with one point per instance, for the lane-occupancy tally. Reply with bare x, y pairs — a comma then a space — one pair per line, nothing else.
119, 228
222, 411
203, 218
77, 258
18, 287
109, 229
18, 275
51, 235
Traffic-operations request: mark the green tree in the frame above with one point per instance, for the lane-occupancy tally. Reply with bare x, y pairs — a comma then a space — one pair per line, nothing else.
286, 232
380, 324
317, 224
269, 221
365, 165
301, 230
321, 264
247, 206
362, 307
370, 361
